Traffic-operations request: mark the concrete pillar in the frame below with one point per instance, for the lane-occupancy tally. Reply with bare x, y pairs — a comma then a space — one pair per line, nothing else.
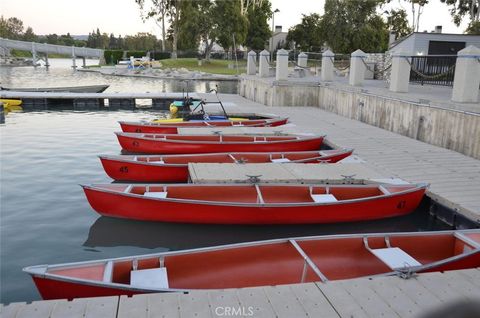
400, 74
74, 58
264, 64
357, 68
251, 63
302, 60
327, 73
84, 62
467, 75
282, 65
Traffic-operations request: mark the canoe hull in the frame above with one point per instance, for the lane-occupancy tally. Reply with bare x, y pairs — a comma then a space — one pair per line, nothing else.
118, 204
70, 89
141, 171
172, 128
159, 146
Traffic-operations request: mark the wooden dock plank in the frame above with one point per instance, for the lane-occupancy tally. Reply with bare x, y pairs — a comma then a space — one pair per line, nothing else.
135, 306
255, 297
164, 305
195, 304
10, 310
284, 302
313, 301
40, 309
438, 285
101, 307
221, 299
462, 285
415, 291
371, 302
387, 288
343, 303
472, 274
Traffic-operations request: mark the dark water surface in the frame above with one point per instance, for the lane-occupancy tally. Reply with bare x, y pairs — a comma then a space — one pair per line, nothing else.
44, 216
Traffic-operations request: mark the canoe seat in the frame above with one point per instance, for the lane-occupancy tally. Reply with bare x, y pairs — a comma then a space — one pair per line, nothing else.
149, 278
323, 198
395, 257
108, 272
158, 195
280, 160
158, 162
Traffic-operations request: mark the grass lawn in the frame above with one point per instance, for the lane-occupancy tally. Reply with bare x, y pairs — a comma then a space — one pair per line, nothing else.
214, 66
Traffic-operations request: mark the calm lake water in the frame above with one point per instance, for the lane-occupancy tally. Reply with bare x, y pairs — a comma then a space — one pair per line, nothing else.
45, 217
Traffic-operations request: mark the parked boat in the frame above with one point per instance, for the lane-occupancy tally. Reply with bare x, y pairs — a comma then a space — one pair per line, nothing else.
174, 168
171, 126
70, 89
254, 203
188, 144
273, 262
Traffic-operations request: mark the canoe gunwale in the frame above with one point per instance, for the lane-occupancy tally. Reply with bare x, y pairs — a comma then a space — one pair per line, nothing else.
297, 138
155, 164
417, 187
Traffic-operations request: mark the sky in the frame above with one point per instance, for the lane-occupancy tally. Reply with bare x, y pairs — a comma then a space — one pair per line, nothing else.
123, 16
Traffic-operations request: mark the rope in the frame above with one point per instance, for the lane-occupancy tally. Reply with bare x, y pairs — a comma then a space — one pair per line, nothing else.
339, 68
429, 76
373, 71
266, 59
302, 67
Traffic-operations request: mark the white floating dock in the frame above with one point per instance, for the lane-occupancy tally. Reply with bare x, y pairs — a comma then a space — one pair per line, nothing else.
361, 297
288, 172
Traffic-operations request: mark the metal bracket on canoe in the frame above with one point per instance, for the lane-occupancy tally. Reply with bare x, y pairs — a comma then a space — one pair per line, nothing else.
348, 177
254, 178
217, 132
278, 133
241, 160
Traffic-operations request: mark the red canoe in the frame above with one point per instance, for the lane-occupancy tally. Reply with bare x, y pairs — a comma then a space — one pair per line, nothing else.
254, 203
174, 168
188, 144
172, 128
264, 263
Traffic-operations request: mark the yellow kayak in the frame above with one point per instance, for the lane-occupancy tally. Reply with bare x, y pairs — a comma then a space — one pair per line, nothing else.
11, 105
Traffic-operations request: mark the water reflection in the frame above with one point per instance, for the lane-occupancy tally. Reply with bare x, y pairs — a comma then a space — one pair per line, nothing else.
112, 232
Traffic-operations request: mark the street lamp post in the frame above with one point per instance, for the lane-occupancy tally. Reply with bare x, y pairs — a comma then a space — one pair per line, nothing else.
273, 32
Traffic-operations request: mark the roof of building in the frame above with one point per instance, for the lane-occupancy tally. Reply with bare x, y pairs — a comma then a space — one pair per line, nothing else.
396, 42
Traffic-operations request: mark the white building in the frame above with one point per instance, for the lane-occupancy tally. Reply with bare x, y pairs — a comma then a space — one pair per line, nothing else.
435, 43
279, 39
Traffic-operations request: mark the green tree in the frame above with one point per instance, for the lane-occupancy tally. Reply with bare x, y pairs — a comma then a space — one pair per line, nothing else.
158, 11
473, 28
230, 23
29, 35
188, 32
11, 28
461, 8
349, 25
397, 22
258, 32
307, 35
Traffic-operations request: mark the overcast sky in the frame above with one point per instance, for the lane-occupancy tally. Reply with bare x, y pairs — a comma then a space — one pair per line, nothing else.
123, 16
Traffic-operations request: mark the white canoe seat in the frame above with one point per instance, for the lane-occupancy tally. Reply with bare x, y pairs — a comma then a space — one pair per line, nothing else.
395, 257
108, 272
323, 198
158, 162
149, 278
158, 195
280, 160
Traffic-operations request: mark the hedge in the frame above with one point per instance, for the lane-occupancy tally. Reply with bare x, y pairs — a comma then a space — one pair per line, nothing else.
112, 56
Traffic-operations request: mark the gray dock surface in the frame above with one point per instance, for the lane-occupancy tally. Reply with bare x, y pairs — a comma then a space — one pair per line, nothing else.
361, 297
454, 178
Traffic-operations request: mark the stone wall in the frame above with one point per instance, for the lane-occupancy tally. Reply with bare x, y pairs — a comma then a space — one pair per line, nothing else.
446, 128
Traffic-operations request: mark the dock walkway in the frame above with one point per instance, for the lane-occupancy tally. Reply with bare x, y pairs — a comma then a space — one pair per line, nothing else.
454, 177
362, 297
